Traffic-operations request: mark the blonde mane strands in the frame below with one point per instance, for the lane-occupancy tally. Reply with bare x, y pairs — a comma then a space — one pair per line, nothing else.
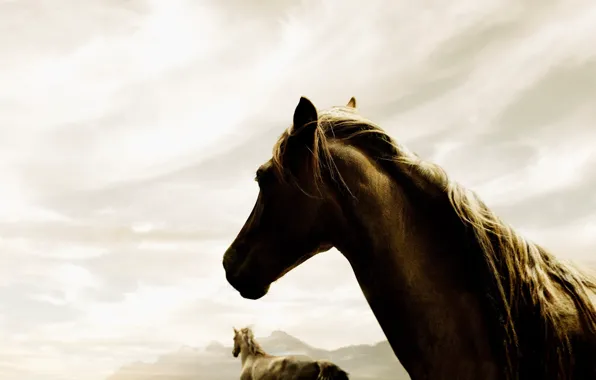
527, 275
253, 347
530, 285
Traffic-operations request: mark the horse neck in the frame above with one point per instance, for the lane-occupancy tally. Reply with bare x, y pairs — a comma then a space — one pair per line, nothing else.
408, 262
248, 355
245, 356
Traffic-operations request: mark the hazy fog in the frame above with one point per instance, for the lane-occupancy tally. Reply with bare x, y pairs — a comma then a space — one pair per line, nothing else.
130, 132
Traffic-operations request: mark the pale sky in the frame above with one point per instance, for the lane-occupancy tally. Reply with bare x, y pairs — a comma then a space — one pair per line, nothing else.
130, 131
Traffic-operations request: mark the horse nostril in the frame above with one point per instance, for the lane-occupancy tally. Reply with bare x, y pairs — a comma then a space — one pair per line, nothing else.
230, 257
226, 261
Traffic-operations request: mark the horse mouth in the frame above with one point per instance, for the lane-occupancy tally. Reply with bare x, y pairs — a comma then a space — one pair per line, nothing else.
254, 290
253, 293
247, 289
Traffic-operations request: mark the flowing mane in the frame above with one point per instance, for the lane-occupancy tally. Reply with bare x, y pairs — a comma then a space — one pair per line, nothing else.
525, 289
253, 347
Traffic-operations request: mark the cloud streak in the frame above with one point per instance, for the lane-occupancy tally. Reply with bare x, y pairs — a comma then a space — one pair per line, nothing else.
130, 132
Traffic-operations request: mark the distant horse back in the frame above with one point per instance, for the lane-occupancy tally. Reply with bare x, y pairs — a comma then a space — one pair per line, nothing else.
330, 371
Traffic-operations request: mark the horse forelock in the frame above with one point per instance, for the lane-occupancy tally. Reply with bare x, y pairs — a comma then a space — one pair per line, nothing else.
521, 276
334, 124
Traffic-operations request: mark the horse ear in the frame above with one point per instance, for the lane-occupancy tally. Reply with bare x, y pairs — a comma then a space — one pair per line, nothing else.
351, 103
302, 136
305, 119
235, 331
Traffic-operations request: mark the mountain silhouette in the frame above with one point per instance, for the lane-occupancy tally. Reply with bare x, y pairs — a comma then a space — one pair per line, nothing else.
215, 361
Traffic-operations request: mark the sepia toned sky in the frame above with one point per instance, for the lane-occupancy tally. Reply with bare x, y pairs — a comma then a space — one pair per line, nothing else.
130, 131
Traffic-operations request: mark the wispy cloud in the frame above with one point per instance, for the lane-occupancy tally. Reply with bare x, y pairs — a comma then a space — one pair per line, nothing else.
130, 132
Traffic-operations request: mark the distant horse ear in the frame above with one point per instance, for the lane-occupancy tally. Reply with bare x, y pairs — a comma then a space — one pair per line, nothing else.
351, 103
235, 331
305, 120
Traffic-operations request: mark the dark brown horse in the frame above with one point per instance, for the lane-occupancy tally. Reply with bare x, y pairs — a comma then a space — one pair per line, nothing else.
458, 292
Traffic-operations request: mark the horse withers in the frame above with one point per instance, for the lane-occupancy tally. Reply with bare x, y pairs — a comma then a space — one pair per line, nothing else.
259, 365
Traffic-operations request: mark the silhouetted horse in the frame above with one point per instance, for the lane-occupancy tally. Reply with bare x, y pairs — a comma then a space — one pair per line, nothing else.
458, 292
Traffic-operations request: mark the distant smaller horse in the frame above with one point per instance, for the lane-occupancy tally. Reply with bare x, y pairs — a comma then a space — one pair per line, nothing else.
259, 365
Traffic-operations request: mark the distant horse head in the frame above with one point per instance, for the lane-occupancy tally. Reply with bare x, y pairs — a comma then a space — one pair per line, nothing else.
293, 212
237, 343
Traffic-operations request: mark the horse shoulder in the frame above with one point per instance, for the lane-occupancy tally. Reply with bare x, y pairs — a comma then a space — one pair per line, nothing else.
278, 365
285, 367
248, 371
262, 368
246, 374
